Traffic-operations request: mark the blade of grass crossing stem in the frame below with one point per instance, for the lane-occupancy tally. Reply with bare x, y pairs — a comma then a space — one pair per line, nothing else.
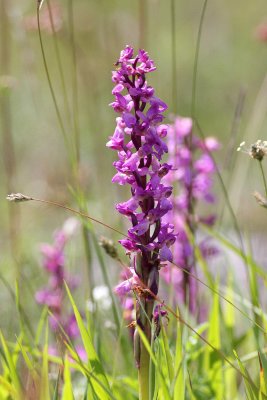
11, 366
250, 391
162, 384
45, 392
179, 377
93, 361
67, 393
213, 363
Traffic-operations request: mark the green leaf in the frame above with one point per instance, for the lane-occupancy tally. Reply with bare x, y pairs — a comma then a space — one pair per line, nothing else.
98, 378
67, 393
213, 362
45, 392
11, 366
40, 326
179, 382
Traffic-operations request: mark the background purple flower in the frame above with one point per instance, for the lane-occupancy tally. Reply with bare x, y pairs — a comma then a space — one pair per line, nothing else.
191, 175
53, 295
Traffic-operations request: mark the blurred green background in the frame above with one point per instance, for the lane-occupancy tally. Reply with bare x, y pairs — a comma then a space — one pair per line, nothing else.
34, 160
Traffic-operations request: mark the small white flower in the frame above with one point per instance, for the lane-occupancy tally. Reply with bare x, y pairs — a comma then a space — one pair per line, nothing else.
70, 226
102, 297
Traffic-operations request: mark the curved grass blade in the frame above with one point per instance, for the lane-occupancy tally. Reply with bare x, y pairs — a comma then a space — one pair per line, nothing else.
93, 361
179, 381
11, 366
251, 391
67, 393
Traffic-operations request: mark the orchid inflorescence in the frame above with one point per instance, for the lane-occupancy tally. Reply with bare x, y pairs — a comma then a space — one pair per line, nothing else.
138, 140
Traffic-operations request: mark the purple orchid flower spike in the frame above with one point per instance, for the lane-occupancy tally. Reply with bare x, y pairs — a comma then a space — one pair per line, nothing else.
138, 141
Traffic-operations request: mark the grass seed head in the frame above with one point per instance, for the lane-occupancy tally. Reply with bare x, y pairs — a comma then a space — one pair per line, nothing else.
18, 197
256, 150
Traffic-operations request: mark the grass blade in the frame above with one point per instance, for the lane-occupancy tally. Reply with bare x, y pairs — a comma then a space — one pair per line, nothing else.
93, 361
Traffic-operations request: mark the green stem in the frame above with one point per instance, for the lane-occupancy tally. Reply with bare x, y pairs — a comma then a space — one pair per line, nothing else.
143, 21
143, 374
174, 56
88, 255
75, 102
194, 85
145, 311
53, 95
264, 179
59, 62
